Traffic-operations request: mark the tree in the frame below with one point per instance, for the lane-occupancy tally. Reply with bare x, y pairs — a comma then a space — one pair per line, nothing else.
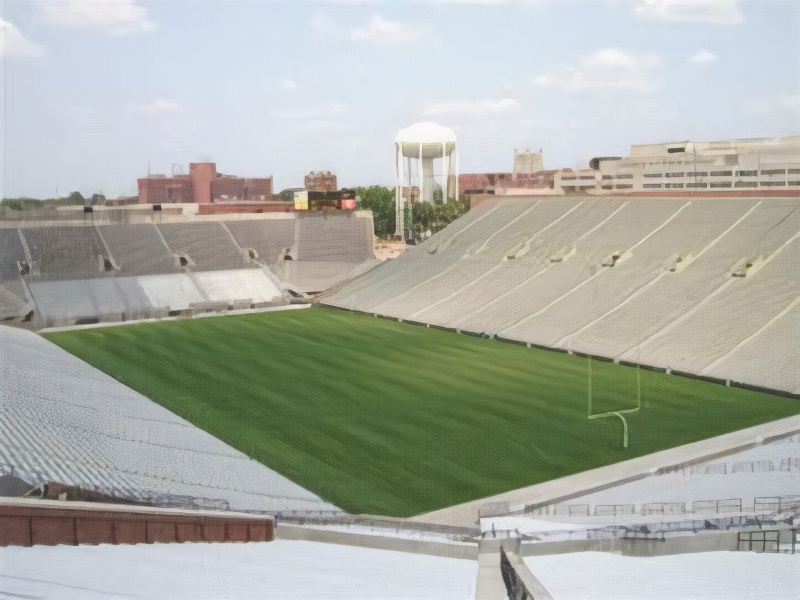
98, 199
379, 200
76, 198
433, 217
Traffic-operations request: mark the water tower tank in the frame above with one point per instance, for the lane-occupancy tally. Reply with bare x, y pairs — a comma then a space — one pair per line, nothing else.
424, 151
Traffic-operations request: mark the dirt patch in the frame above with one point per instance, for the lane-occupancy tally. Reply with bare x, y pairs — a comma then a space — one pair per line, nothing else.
386, 249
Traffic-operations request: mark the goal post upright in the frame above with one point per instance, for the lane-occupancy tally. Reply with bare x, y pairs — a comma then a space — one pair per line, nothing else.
615, 413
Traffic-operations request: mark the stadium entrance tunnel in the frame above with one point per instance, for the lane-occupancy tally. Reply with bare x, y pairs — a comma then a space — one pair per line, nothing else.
519, 251
741, 268
87, 321
611, 259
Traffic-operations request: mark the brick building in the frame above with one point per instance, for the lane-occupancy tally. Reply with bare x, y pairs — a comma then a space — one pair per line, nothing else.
228, 187
479, 183
528, 174
202, 185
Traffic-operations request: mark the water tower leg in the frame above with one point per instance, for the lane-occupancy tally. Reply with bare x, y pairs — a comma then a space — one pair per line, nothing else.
399, 205
427, 180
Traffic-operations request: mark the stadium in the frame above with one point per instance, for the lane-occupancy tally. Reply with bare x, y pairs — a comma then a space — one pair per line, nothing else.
546, 377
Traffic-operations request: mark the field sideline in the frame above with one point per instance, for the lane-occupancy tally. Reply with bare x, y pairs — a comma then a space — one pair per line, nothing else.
389, 418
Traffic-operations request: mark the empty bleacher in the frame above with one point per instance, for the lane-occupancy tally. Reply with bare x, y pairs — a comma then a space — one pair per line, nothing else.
11, 252
242, 287
83, 272
63, 252
702, 285
344, 238
63, 421
204, 246
268, 238
138, 249
692, 282
14, 301
85, 300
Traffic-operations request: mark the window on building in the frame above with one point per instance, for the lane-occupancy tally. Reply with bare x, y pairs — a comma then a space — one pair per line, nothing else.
673, 175
652, 174
625, 176
607, 177
696, 185
673, 185
607, 187
794, 171
747, 173
720, 184
773, 171
698, 174
624, 186
652, 185
745, 184
672, 150
773, 183
567, 177
721, 173
794, 183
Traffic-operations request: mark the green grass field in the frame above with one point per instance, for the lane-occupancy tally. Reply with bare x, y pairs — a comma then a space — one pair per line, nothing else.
390, 418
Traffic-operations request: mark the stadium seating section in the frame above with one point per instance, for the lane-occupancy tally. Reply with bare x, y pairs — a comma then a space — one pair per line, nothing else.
68, 274
70, 423
706, 286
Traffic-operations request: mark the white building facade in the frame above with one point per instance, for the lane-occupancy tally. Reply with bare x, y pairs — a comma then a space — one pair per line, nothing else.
752, 165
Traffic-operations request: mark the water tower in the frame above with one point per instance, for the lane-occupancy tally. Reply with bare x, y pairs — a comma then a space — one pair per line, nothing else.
426, 163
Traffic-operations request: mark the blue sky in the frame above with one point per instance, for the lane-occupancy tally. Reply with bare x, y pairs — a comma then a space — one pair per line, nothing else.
97, 90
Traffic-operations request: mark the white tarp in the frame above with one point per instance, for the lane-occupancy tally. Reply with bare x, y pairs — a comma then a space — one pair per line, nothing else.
175, 292
240, 284
280, 569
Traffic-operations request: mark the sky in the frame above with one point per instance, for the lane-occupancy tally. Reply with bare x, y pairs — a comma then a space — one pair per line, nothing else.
97, 93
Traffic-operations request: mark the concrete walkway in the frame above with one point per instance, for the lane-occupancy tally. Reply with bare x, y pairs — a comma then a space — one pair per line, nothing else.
489, 584
463, 550
579, 484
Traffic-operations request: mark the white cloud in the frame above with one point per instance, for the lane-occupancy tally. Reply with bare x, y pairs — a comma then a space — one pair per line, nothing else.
117, 17
159, 105
609, 68
289, 84
14, 45
689, 11
381, 32
324, 112
703, 57
474, 109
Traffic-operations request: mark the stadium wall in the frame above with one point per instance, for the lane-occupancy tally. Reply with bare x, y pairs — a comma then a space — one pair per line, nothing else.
32, 522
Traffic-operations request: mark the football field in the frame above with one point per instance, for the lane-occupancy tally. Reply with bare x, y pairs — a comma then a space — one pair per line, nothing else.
396, 419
